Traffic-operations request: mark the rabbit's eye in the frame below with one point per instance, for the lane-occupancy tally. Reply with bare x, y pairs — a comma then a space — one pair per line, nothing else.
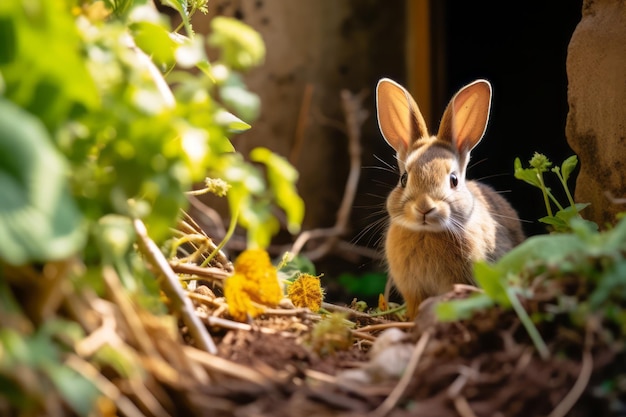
454, 180
403, 179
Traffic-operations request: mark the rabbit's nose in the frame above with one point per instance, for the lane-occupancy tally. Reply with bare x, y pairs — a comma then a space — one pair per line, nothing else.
423, 209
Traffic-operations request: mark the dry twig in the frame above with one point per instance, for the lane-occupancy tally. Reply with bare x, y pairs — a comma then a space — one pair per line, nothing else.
226, 367
206, 273
353, 313
577, 390
355, 115
172, 288
400, 388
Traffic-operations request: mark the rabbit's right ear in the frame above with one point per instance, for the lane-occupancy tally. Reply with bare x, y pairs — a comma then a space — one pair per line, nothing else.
399, 118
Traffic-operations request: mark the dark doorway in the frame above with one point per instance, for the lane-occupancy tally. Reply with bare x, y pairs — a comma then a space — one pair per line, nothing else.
521, 49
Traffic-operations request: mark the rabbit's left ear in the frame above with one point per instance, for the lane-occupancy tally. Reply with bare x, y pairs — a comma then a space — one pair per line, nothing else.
399, 118
465, 120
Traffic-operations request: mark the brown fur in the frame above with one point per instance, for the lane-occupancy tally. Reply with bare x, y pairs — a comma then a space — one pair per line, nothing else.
438, 230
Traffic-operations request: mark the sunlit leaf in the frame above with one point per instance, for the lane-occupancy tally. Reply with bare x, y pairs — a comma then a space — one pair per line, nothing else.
528, 175
41, 61
155, 41
122, 359
181, 6
568, 166
230, 121
282, 177
191, 53
462, 309
242, 47
241, 101
296, 265
549, 249
492, 281
38, 217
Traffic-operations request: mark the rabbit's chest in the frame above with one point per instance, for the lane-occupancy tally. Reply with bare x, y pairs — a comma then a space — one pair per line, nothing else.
430, 261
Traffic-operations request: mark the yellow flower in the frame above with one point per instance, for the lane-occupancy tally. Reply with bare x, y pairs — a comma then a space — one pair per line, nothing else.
306, 291
254, 282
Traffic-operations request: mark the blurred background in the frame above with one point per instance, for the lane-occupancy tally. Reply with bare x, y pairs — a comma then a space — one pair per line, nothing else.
316, 49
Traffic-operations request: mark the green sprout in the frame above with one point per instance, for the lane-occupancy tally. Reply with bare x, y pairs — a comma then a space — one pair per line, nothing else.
540, 164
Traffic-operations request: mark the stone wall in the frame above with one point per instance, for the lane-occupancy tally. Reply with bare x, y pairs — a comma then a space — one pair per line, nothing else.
596, 122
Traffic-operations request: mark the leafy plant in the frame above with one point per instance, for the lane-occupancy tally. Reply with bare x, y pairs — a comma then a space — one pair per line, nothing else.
579, 250
102, 123
134, 142
599, 257
539, 164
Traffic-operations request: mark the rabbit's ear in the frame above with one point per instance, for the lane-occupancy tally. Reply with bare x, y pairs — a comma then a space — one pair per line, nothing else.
465, 120
399, 118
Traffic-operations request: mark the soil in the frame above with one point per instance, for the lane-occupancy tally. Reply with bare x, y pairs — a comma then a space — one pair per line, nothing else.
483, 366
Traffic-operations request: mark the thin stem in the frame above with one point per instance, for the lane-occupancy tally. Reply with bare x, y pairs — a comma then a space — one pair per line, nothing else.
566, 188
541, 346
229, 234
554, 200
188, 26
544, 190
200, 191
390, 311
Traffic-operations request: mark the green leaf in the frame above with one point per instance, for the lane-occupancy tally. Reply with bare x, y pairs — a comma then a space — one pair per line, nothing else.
42, 61
257, 217
570, 212
558, 224
282, 177
528, 175
297, 265
549, 249
612, 240
39, 219
491, 280
241, 101
8, 34
77, 391
568, 166
230, 121
462, 309
155, 41
242, 47
119, 7
191, 53
181, 6
124, 361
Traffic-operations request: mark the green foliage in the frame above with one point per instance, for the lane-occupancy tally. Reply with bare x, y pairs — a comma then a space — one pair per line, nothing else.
580, 250
291, 266
539, 164
133, 140
32, 359
599, 257
368, 284
102, 123
39, 219
242, 47
282, 177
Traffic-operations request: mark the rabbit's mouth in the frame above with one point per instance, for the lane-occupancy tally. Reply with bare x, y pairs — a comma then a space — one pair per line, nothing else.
422, 223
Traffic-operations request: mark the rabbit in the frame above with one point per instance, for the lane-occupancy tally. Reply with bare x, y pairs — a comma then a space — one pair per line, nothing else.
439, 222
